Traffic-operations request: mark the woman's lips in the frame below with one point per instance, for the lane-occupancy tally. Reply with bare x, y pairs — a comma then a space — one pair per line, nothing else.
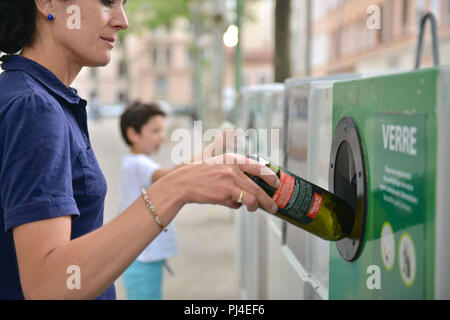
110, 41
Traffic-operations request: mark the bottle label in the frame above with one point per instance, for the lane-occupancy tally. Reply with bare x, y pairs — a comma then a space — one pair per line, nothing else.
284, 193
315, 207
298, 199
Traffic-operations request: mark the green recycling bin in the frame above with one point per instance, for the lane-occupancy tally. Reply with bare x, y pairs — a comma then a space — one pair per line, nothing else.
390, 160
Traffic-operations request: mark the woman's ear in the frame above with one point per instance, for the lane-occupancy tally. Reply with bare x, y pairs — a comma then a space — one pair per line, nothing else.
45, 7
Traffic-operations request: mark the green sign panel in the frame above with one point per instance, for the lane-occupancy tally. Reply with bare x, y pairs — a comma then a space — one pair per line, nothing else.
396, 118
399, 203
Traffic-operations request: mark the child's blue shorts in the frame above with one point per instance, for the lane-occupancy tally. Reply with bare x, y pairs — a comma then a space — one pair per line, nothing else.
143, 281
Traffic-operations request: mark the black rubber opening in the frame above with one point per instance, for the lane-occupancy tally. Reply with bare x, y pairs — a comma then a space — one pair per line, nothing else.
348, 180
345, 177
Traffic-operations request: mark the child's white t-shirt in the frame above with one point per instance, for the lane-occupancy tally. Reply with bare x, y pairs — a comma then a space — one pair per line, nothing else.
136, 174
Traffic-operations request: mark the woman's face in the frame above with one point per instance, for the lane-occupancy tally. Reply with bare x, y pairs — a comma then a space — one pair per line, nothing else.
88, 29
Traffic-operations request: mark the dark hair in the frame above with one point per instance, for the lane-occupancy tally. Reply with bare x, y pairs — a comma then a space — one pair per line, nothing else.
136, 115
17, 24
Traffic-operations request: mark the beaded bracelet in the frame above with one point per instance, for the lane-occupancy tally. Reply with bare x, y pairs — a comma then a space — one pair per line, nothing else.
153, 211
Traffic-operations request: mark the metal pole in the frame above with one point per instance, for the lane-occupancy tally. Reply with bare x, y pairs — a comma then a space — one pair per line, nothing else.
238, 60
308, 38
219, 21
197, 73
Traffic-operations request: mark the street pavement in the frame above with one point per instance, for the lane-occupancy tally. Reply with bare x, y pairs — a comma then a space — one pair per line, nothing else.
205, 268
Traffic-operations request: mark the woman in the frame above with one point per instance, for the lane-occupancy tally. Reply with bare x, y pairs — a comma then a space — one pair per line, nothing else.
52, 190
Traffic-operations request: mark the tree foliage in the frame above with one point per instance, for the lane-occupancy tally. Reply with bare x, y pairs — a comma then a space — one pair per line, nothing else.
151, 14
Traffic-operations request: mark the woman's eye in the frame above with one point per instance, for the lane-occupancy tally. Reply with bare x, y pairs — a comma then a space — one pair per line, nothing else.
108, 3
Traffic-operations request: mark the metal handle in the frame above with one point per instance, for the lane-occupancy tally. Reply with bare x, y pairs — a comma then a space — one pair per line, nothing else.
434, 32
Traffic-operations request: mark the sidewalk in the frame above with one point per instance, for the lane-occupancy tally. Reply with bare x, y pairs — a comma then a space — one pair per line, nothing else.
206, 266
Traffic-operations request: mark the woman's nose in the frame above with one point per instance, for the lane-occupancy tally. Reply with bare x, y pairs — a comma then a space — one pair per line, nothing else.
119, 20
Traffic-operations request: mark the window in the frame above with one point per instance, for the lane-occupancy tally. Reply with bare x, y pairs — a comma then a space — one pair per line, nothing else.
321, 8
161, 56
387, 14
317, 10
405, 15
123, 68
436, 9
381, 31
162, 87
246, 78
362, 38
338, 44
448, 11
168, 56
155, 56
190, 57
420, 10
320, 50
263, 78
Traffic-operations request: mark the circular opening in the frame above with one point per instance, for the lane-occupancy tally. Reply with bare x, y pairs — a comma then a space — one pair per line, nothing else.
345, 175
348, 181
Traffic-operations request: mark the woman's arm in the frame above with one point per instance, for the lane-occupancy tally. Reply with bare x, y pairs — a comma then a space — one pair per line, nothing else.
45, 251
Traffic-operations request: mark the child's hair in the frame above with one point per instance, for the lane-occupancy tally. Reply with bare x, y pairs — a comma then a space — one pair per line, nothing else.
136, 115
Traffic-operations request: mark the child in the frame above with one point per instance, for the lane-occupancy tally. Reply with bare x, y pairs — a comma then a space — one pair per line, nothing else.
142, 127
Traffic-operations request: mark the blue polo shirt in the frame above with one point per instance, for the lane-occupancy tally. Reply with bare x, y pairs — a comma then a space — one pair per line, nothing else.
47, 166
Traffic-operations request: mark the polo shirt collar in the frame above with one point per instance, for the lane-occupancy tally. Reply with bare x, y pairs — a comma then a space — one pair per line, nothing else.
43, 75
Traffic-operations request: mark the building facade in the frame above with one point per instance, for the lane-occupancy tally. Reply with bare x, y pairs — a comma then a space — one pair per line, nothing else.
159, 65
373, 35
149, 67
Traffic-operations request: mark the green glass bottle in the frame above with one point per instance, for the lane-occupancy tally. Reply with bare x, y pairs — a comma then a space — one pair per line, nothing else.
308, 206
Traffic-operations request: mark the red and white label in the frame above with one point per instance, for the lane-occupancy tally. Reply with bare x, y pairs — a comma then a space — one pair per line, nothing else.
315, 207
284, 193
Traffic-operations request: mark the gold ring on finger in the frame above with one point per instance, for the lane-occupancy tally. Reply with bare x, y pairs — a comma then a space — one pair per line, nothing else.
241, 197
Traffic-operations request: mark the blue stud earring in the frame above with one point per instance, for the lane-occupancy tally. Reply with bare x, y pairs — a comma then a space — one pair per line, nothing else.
50, 17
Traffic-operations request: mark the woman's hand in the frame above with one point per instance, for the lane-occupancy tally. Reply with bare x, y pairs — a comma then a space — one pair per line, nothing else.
227, 141
220, 181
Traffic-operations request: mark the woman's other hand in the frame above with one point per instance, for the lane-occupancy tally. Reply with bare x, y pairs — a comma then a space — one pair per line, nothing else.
227, 141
